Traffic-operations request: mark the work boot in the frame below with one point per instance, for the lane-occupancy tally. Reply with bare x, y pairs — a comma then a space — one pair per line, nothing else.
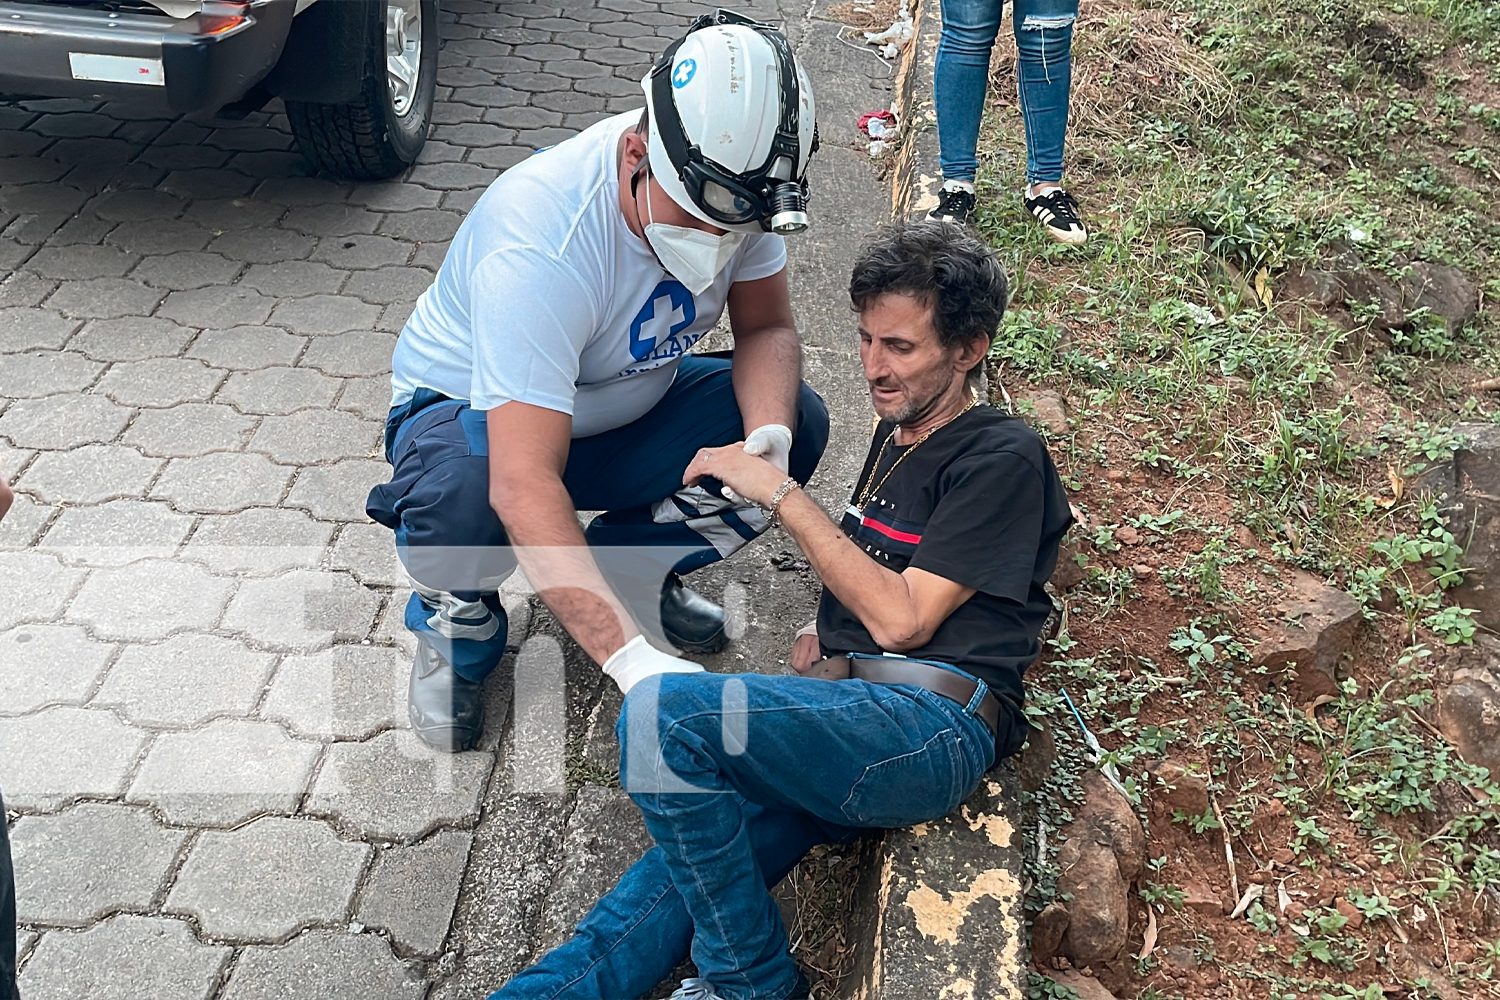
446, 711
691, 621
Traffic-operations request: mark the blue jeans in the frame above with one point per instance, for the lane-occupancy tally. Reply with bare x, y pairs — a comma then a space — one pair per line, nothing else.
1044, 40
454, 547
738, 775
7, 914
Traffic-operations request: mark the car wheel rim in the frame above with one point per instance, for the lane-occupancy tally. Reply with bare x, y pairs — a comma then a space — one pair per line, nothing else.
403, 52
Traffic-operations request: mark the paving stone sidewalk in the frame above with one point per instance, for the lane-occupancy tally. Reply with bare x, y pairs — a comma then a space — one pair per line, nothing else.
202, 669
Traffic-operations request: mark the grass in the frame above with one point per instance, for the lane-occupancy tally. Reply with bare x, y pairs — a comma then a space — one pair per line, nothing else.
1217, 147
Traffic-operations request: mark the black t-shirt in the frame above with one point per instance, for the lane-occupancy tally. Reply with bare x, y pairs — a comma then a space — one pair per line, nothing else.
978, 503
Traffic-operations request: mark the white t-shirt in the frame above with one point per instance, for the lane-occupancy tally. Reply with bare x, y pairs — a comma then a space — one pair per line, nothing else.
546, 296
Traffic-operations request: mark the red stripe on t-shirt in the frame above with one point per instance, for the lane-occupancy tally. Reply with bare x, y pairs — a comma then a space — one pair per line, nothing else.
889, 532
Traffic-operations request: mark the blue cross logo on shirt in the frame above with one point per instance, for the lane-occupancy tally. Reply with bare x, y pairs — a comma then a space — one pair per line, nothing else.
679, 301
683, 74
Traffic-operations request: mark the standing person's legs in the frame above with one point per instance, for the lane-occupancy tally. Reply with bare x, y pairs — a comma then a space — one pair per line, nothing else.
696, 747
638, 933
7, 914
959, 82
1044, 43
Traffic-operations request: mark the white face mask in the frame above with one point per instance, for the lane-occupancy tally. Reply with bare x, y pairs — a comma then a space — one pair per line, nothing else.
692, 256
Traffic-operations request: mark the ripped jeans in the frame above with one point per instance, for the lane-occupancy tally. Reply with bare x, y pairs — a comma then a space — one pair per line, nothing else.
1044, 39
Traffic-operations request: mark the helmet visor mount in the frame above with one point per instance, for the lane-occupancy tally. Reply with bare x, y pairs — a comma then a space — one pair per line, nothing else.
770, 195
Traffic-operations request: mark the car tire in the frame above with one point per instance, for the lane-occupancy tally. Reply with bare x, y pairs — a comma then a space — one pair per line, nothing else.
379, 134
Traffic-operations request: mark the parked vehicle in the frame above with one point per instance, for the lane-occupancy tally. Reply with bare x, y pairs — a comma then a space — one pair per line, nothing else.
357, 76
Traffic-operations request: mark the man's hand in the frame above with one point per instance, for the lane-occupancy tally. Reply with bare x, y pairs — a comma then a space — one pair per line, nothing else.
805, 648
748, 475
773, 442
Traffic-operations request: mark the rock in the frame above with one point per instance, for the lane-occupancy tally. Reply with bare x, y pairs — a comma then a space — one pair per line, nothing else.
1350, 911
1180, 956
1283, 856
1142, 570
1201, 898
1315, 287
1468, 713
1245, 538
1327, 622
1267, 815
1047, 932
1051, 411
1069, 572
1117, 475
1367, 287
1173, 788
1127, 535
1087, 987
1104, 850
1034, 764
1475, 516
1446, 292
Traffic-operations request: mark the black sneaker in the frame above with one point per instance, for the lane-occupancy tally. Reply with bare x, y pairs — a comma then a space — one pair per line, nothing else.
956, 205
1058, 211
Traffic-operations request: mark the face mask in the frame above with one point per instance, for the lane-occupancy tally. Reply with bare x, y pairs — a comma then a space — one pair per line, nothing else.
692, 256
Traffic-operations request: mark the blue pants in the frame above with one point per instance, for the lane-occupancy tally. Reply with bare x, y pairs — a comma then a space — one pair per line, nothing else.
7, 914
738, 775
453, 544
1044, 42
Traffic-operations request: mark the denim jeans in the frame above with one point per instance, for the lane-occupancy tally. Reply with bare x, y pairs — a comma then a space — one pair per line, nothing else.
738, 775
1044, 40
7, 915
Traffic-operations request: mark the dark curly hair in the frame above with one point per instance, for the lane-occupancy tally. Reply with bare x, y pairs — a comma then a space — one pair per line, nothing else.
941, 265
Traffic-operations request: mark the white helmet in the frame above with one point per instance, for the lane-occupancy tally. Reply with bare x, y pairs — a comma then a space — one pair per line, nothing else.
733, 125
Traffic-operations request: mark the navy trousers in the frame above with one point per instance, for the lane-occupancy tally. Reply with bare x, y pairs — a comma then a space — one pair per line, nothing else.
7, 915
454, 547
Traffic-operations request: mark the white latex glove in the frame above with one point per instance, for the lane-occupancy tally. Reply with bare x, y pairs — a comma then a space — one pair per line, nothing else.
772, 442
638, 659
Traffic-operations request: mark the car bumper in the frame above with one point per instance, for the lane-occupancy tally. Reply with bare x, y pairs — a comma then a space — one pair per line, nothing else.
195, 63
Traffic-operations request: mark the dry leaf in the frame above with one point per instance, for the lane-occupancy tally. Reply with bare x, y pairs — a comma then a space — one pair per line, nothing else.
1251, 895
1149, 945
1263, 287
1398, 485
1283, 898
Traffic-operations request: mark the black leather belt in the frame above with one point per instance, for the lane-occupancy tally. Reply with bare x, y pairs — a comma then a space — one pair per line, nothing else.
898, 670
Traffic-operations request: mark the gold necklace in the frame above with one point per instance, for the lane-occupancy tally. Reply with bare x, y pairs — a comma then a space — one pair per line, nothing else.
867, 493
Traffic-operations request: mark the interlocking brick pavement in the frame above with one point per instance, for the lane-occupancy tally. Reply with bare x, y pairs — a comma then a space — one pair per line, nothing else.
202, 666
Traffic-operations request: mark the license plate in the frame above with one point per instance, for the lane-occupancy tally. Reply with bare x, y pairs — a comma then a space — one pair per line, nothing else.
117, 69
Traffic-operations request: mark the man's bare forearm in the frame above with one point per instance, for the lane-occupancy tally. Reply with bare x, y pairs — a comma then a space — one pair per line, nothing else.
550, 547
766, 375
879, 597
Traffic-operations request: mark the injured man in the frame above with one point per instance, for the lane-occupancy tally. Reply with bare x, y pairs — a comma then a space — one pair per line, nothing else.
910, 687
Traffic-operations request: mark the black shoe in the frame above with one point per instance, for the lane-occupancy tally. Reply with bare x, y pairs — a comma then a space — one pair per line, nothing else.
446, 711
691, 621
1058, 211
956, 205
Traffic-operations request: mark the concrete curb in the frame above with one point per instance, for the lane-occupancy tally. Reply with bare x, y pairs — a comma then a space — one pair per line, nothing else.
916, 179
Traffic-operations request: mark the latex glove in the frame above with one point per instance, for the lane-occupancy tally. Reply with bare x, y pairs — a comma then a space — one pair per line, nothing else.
638, 659
772, 442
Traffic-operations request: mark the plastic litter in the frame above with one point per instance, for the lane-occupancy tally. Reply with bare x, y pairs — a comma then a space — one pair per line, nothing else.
878, 124
893, 39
